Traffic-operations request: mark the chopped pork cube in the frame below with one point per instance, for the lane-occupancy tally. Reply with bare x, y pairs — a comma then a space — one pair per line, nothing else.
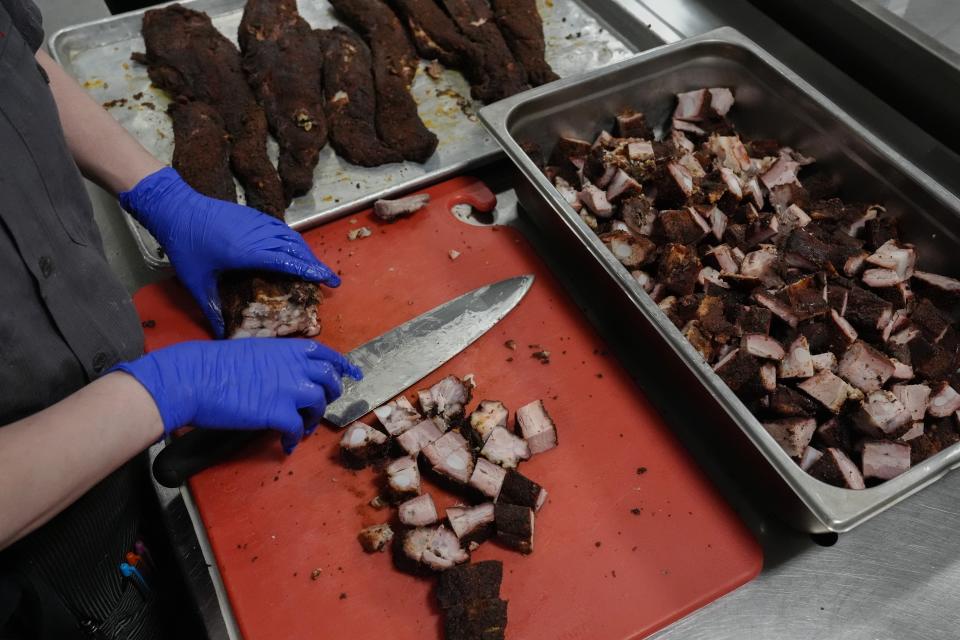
730, 153
375, 538
596, 201
437, 548
901, 371
397, 416
792, 434
489, 414
830, 390
824, 361
914, 432
537, 427
418, 512
450, 456
488, 478
449, 396
632, 251
518, 489
865, 368
768, 376
427, 404
515, 526
622, 184
915, 397
414, 439
477, 581
718, 225
809, 457
779, 309
797, 362
885, 460
881, 278
721, 99
403, 478
881, 415
900, 259
834, 467
762, 346
361, 444
843, 327
784, 171
473, 524
944, 401
505, 449
692, 106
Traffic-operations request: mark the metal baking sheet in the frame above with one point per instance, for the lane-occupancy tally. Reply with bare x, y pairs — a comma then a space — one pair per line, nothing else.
579, 38
773, 102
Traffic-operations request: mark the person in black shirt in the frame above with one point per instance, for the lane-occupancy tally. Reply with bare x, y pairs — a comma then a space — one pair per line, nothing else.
78, 400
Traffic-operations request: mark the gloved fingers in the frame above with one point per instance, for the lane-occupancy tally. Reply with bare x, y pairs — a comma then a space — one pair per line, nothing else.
290, 425
343, 366
204, 290
306, 268
324, 374
290, 440
312, 417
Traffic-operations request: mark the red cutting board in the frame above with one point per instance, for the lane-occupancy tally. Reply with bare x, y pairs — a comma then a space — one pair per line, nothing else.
633, 535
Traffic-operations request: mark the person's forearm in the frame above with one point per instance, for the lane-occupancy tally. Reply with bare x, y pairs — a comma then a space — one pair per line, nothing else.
104, 151
50, 459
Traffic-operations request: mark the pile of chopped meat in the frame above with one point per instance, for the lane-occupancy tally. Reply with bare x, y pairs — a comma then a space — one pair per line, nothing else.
474, 454
812, 309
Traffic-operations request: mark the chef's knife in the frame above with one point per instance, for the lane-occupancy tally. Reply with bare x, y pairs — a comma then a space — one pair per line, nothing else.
390, 364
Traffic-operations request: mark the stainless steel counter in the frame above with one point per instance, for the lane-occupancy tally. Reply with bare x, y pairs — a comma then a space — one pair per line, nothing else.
893, 578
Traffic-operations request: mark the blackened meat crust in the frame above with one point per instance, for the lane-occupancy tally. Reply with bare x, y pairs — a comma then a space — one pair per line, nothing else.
502, 75
394, 65
186, 56
201, 149
283, 60
436, 36
351, 99
522, 28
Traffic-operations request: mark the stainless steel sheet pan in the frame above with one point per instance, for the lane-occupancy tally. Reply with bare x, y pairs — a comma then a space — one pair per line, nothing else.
581, 35
772, 102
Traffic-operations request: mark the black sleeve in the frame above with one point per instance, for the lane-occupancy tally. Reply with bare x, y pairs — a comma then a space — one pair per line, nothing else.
27, 20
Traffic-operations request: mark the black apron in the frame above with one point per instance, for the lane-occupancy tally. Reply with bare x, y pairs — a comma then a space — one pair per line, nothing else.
64, 319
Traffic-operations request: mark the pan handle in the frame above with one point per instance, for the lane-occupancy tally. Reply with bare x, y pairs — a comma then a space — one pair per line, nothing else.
193, 452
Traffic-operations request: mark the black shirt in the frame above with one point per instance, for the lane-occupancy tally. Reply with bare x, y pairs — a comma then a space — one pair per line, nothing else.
64, 320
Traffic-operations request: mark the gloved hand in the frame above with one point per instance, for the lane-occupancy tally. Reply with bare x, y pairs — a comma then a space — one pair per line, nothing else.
204, 236
256, 383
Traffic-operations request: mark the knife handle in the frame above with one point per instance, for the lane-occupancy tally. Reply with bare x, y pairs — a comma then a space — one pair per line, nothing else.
193, 452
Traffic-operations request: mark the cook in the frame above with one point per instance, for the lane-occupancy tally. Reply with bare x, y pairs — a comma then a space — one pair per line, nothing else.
79, 402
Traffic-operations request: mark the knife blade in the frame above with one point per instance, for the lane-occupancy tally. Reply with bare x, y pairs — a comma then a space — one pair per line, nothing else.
391, 363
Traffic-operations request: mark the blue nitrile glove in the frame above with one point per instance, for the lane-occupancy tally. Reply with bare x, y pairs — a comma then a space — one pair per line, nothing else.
277, 383
204, 236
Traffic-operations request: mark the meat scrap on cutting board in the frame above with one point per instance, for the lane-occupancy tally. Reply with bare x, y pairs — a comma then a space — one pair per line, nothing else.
476, 454
815, 311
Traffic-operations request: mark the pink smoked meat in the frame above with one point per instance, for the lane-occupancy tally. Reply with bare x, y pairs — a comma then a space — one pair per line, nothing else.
414, 439
834, 467
505, 449
885, 460
487, 478
450, 456
792, 434
418, 512
881, 415
536, 427
865, 368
